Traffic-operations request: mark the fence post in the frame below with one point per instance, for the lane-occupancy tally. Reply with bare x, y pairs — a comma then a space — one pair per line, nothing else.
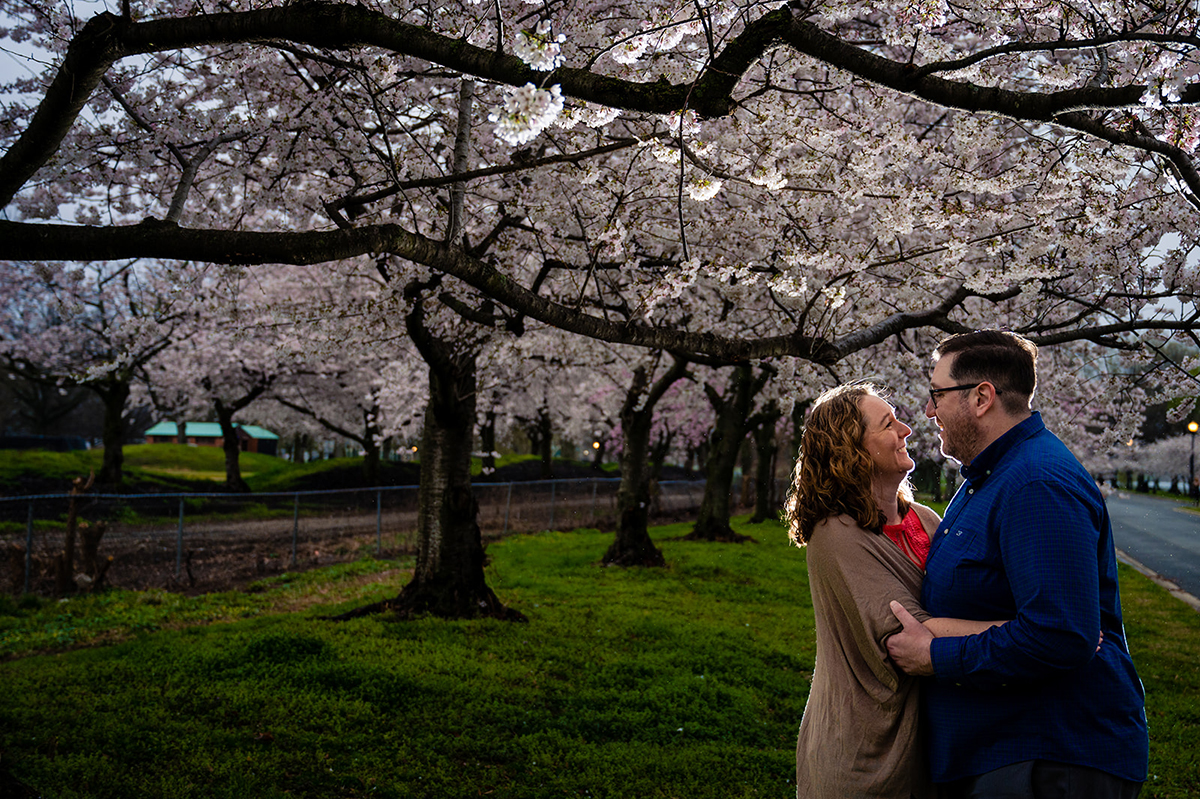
295, 528
379, 522
507, 505
179, 541
29, 551
553, 486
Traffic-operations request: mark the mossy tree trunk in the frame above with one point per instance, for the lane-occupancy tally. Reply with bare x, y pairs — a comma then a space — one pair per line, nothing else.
448, 579
632, 546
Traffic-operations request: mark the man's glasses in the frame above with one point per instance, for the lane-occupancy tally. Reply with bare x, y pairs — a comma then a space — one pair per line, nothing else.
934, 392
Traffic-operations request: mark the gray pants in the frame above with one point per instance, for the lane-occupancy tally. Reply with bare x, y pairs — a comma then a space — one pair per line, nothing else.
1042, 779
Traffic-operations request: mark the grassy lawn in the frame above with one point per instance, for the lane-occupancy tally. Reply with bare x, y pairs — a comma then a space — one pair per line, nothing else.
687, 681
143, 464
179, 467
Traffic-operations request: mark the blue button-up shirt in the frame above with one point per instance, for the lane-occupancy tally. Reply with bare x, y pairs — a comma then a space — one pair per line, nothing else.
1027, 537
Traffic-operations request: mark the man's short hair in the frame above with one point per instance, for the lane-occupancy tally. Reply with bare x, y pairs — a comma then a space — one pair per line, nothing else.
1004, 359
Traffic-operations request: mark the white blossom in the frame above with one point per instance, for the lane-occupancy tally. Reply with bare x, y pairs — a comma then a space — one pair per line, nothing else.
539, 48
703, 189
527, 111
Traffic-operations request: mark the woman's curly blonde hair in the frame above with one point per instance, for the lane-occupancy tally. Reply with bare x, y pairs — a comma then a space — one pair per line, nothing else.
833, 469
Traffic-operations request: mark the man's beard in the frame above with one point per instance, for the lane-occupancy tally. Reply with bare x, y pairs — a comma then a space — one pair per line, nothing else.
960, 441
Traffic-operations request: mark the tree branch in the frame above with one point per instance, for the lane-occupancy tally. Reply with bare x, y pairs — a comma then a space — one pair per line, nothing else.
107, 38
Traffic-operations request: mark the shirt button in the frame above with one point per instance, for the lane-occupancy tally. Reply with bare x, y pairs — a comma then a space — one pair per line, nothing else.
970, 491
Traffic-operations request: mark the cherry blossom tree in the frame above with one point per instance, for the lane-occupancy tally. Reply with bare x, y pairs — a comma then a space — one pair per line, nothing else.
229, 359
649, 383
94, 327
448, 579
364, 394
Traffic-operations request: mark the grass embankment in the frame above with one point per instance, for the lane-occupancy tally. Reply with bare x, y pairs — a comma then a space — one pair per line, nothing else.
156, 467
183, 468
687, 681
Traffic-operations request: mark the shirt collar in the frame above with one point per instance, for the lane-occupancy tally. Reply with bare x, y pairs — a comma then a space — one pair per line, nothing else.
978, 470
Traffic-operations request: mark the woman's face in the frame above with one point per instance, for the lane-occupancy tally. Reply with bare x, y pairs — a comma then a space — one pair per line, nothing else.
885, 437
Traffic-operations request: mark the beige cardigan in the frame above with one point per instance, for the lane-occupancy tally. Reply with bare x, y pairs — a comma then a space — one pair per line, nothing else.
859, 736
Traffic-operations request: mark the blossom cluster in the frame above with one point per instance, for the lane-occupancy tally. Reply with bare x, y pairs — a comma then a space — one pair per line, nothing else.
539, 48
527, 112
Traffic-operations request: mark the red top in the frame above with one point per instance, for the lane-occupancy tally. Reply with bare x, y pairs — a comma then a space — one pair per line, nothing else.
911, 537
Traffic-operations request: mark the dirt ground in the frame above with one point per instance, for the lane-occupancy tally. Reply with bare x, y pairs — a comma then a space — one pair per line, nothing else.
222, 560
227, 555
233, 556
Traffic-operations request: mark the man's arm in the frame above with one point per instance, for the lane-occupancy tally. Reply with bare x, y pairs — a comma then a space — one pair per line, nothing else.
910, 648
1048, 547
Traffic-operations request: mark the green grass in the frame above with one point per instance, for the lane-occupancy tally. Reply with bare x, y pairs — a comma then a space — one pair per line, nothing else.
287, 475
177, 467
167, 465
688, 681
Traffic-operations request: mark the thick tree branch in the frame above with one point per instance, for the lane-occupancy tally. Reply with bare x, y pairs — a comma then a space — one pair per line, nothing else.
153, 239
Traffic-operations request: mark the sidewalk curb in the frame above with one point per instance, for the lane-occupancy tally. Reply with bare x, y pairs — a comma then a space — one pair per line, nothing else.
1155, 577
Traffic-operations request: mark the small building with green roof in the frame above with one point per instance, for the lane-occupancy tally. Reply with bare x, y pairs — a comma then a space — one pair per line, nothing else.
251, 438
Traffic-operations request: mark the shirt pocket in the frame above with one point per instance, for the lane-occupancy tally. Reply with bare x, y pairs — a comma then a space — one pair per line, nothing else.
973, 573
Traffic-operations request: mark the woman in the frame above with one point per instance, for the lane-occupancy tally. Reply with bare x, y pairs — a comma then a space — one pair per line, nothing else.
851, 505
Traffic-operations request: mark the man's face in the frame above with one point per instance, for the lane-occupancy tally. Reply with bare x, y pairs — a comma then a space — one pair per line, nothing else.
957, 426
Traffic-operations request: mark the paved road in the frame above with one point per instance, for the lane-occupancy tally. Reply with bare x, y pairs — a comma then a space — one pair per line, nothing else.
1156, 533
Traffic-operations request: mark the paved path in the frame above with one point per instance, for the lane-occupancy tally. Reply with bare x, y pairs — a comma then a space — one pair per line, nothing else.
1159, 537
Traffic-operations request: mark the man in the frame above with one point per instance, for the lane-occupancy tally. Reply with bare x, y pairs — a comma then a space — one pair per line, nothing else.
1031, 708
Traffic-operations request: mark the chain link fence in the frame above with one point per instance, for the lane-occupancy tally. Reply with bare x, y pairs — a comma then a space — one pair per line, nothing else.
207, 542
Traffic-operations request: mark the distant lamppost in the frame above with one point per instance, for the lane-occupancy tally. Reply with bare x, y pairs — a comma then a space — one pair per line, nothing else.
1192, 488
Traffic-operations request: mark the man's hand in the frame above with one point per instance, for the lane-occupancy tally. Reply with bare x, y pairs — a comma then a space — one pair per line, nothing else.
909, 648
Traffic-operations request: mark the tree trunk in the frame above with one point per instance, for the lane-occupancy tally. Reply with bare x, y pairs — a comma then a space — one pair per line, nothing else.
725, 442
633, 546
658, 456
545, 441
225, 411
487, 442
233, 449
748, 485
113, 394
448, 580
601, 446
765, 447
371, 438
370, 461
180, 432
